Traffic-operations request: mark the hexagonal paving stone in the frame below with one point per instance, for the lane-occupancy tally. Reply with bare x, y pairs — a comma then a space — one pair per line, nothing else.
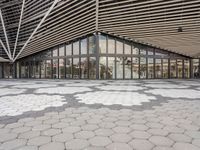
118, 146
140, 134
29, 134
89, 127
14, 125
141, 144
154, 125
104, 132
40, 140
84, 134
185, 146
139, 127
193, 134
161, 141
100, 141
189, 127
95, 148
173, 129
71, 129
41, 127
27, 148
196, 142
7, 136
160, 132
107, 125
53, 146
77, 144
13, 144
120, 129
180, 137
124, 138
63, 137
123, 123
21, 129
162, 148
51, 132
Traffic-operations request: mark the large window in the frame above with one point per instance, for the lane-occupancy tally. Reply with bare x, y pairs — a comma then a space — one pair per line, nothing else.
83, 46
102, 44
92, 45
143, 68
61, 68
127, 67
195, 69
76, 68
186, 68
55, 68
42, 66
111, 45
180, 68
62, 50
111, 68
119, 47
102, 68
119, 67
172, 68
150, 68
127, 48
92, 68
48, 69
68, 67
76, 48
69, 50
165, 68
158, 68
135, 67
84, 68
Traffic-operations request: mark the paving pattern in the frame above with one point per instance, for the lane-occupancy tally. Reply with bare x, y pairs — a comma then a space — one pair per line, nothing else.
99, 115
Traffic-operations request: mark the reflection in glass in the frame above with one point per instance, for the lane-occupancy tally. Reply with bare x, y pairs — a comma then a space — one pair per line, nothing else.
61, 68
119, 47
150, 51
186, 68
37, 69
127, 48
62, 50
76, 48
172, 68
92, 45
55, 68
158, 68
55, 52
42, 66
135, 67
150, 68
48, 69
22, 70
195, 69
84, 68
75, 68
92, 68
127, 67
135, 50
143, 51
102, 68
68, 66
111, 68
69, 50
102, 44
32, 69
111, 45
83, 46
119, 67
143, 68
165, 68
180, 68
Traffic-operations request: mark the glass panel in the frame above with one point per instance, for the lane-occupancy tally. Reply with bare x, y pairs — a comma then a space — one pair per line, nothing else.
111, 45
135, 50
135, 67
150, 51
61, 68
84, 68
102, 44
143, 51
68, 66
119, 67
187, 68
42, 66
172, 68
160, 53
55, 68
111, 68
92, 44
92, 68
37, 69
196, 71
55, 52
76, 48
165, 68
127, 49
62, 50
84, 46
143, 68
150, 68
180, 68
1, 71
76, 68
119, 47
102, 67
127, 67
158, 68
32, 66
68, 50
22, 70
48, 68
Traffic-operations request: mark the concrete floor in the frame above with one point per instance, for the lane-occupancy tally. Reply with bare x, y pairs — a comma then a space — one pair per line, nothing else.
98, 115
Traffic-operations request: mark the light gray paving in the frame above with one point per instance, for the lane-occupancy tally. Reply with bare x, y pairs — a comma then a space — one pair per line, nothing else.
100, 115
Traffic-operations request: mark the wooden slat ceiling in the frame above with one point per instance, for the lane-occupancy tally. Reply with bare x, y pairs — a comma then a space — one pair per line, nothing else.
155, 22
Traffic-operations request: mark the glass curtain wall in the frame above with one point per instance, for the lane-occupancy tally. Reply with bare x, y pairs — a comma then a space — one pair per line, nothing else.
117, 58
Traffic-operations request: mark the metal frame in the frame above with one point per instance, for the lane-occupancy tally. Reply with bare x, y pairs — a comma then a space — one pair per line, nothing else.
6, 37
5, 50
38, 26
19, 26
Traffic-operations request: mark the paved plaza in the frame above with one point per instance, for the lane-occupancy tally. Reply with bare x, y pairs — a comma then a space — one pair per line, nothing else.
99, 115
